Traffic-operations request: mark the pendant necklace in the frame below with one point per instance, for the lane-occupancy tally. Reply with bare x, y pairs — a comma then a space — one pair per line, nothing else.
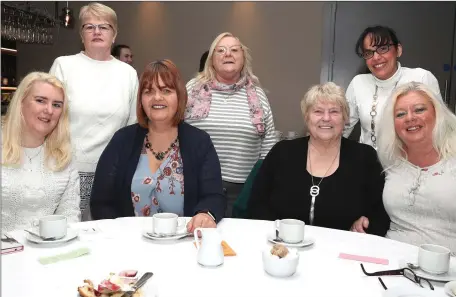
31, 158
160, 155
315, 189
373, 113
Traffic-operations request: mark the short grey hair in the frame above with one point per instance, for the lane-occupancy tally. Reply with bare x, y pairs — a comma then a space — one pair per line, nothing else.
98, 10
327, 93
391, 148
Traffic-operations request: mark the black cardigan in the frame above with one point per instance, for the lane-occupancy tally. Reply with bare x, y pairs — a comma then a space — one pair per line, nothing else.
281, 188
111, 191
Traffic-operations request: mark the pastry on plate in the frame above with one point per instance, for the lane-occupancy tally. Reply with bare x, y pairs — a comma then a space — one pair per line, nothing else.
114, 286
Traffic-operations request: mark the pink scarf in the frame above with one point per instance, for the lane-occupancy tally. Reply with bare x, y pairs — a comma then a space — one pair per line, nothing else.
199, 101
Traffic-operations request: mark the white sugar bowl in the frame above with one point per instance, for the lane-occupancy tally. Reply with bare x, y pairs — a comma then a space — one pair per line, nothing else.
280, 267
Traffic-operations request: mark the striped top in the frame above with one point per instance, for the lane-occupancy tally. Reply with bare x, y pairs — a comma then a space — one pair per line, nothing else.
235, 139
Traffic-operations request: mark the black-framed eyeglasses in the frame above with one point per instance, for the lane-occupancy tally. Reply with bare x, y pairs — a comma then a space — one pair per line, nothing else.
383, 49
92, 27
406, 272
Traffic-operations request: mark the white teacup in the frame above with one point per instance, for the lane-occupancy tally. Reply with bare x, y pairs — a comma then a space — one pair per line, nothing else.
434, 258
52, 226
290, 230
167, 223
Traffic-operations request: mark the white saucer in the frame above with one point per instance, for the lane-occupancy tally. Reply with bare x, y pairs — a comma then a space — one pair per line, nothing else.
71, 234
444, 277
448, 287
178, 235
410, 291
306, 242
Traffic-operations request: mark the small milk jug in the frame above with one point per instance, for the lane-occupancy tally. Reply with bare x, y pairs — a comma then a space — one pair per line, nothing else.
210, 251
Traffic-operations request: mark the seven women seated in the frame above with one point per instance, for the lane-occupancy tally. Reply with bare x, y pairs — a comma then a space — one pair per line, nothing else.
337, 183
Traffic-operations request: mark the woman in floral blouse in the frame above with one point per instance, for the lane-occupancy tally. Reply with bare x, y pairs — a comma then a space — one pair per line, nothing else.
141, 172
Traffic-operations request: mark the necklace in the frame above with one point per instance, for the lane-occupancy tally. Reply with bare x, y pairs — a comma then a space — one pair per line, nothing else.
315, 189
373, 113
31, 158
160, 155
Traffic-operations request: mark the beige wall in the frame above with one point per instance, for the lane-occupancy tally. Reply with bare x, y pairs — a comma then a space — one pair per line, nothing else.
285, 39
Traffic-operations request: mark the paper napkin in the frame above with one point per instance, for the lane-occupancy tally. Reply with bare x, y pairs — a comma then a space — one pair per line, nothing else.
364, 259
64, 256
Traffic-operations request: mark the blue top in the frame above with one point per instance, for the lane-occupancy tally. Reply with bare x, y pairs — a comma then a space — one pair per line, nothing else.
111, 191
162, 191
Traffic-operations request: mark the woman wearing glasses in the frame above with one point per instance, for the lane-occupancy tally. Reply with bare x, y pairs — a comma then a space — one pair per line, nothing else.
101, 90
367, 93
226, 101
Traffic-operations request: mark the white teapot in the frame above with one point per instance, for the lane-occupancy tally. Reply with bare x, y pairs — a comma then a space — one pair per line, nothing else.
210, 251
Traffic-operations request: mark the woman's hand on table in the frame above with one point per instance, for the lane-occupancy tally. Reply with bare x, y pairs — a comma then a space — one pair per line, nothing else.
360, 225
201, 220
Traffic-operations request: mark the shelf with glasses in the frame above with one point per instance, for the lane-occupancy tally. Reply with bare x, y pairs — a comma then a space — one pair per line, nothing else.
9, 88
9, 72
8, 51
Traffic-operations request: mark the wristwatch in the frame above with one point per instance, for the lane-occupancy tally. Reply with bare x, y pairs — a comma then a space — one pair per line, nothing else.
207, 212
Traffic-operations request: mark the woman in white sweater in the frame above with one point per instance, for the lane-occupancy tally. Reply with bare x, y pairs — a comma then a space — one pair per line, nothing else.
38, 178
367, 93
417, 147
101, 89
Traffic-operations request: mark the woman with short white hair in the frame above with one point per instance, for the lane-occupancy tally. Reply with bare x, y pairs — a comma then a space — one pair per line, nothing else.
38, 176
102, 91
417, 147
227, 101
322, 179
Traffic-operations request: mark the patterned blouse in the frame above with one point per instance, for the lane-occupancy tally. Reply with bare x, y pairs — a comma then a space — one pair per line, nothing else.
161, 191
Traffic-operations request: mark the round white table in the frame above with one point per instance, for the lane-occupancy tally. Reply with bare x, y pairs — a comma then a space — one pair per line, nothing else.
118, 245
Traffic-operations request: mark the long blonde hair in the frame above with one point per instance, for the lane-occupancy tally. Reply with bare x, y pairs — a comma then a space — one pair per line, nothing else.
390, 146
208, 73
57, 149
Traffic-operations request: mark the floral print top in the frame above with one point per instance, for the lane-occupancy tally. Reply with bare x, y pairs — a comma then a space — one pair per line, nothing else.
160, 191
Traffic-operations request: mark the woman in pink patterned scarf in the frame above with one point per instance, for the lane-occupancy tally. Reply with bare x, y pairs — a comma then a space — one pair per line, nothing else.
226, 101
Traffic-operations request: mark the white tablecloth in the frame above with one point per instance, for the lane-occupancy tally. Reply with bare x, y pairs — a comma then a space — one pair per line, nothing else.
119, 245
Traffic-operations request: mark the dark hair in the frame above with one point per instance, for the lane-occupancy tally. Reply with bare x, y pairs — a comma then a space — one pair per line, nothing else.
117, 49
169, 74
381, 35
203, 60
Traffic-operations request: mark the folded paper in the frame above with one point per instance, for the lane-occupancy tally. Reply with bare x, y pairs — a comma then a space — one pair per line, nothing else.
364, 259
227, 250
64, 256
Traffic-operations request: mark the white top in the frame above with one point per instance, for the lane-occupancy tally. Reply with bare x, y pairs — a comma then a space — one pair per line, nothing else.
235, 138
118, 244
429, 216
32, 191
102, 97
360, 96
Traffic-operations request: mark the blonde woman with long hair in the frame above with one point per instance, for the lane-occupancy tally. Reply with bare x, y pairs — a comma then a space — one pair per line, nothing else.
38, 178
417, 147
227, 101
